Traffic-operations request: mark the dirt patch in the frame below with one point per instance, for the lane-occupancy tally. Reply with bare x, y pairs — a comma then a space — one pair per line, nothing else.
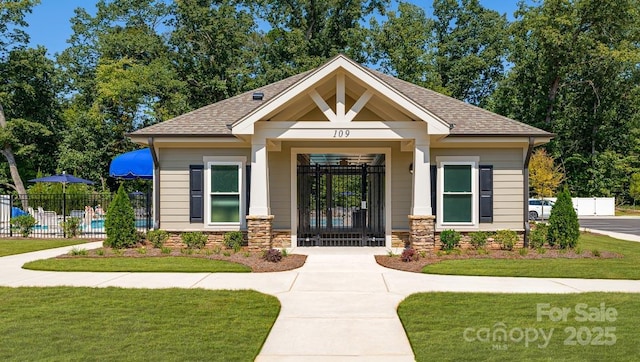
253, 260
416, 266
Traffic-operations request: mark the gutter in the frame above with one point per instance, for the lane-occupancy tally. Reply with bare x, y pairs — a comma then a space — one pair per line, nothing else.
525, 208
156, 185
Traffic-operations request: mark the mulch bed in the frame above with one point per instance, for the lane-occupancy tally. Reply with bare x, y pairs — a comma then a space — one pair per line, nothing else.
253, 260
416, 266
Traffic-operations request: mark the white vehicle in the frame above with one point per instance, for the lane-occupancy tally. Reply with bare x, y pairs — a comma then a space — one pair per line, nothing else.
539, 209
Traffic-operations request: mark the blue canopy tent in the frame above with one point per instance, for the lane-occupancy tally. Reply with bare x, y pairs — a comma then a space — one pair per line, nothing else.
133, 165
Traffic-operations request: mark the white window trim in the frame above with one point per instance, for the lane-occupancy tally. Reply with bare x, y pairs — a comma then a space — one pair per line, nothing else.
472, 161
225, 160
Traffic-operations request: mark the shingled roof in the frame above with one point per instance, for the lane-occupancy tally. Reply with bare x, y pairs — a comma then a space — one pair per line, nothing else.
466, 120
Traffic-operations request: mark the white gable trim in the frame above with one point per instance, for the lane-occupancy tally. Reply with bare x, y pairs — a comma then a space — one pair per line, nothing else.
436, 125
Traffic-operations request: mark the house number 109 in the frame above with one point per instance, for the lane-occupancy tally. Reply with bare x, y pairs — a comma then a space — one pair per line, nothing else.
340, 133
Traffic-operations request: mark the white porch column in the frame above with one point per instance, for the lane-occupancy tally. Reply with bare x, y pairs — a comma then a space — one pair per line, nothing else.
259, 203
421, 202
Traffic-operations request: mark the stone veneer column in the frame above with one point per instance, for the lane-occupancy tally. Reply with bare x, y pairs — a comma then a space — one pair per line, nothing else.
422, 232
259, 229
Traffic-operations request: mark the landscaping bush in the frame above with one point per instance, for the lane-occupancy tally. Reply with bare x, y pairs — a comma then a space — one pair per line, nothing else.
409, 254
449, 239
71, 227
24, 223
194, 240
120, 223
233, 240
478, 239
272, 255
538, 236
506, 238
157, 238
564, 229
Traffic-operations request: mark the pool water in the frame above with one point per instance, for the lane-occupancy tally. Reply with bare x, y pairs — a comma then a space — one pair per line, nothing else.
99, 224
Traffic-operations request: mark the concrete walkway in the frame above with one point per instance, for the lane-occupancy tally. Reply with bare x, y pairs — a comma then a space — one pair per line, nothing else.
340, 305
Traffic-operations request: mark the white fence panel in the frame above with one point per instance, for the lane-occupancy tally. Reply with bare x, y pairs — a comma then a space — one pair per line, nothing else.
5, 210
592, 206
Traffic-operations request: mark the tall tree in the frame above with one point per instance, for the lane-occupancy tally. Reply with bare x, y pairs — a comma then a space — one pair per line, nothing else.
575, 73
544, 176
121, 75
12, 35
304, 33
471, 48
403, 45
213, 48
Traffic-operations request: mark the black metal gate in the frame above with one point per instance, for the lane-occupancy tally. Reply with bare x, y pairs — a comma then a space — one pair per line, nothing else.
341, 205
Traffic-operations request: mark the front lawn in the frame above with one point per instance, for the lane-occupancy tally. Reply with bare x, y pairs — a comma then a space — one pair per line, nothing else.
625, 267
166, 264
19, 246
112, 324
472, 327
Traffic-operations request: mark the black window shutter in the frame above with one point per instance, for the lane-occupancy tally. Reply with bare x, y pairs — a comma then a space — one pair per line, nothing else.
486, 194
248, 190
434, 182
196, 193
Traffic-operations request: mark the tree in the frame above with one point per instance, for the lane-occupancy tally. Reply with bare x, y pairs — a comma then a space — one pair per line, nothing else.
471, 48
544, 176
213, 49
304, 33
564, 229
634, 188
11, 34
121, 78
575, 74
120, 223
403, 46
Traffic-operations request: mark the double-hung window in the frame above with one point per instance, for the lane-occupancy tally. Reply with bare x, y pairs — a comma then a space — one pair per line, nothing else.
225, 187
457, 180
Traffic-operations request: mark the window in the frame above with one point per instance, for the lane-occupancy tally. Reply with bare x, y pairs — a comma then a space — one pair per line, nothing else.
457, 178
225, 188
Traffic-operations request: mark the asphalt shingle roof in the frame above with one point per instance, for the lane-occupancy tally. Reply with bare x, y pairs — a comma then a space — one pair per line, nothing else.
467, 120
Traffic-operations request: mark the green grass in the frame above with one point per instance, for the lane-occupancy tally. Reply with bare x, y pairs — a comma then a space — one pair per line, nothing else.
436, 323
130, 264
112, 324
590, 268
19, 246
628, 210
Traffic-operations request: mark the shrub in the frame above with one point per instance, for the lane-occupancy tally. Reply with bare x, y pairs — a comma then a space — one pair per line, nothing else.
538, 236
165, 250
78, 251
71, 227
157, 238
194, 240
478, 239
595, 252
285, 253
523, 252
409, 254
25, 224
272, 255
506, 238
564, 229
120, 223
233, 240
449, 239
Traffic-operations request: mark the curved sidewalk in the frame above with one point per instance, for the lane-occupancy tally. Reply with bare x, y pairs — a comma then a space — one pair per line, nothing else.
340, 305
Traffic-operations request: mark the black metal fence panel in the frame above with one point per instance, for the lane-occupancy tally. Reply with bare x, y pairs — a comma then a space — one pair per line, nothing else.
52, 211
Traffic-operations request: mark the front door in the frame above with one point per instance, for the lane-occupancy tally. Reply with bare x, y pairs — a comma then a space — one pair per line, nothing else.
341, 205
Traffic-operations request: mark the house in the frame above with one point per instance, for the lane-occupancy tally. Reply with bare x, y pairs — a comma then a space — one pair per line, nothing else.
341, 155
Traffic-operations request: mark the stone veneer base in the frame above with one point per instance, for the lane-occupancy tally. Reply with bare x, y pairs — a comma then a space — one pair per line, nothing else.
422, 232
259, 232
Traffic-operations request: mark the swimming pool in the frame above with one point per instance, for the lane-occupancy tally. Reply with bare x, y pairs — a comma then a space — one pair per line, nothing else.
99, 223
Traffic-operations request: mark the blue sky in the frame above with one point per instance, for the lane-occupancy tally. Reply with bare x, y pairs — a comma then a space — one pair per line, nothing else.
49, 23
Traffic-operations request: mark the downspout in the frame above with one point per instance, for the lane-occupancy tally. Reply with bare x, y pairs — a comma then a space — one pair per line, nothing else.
525, 192
156, 185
